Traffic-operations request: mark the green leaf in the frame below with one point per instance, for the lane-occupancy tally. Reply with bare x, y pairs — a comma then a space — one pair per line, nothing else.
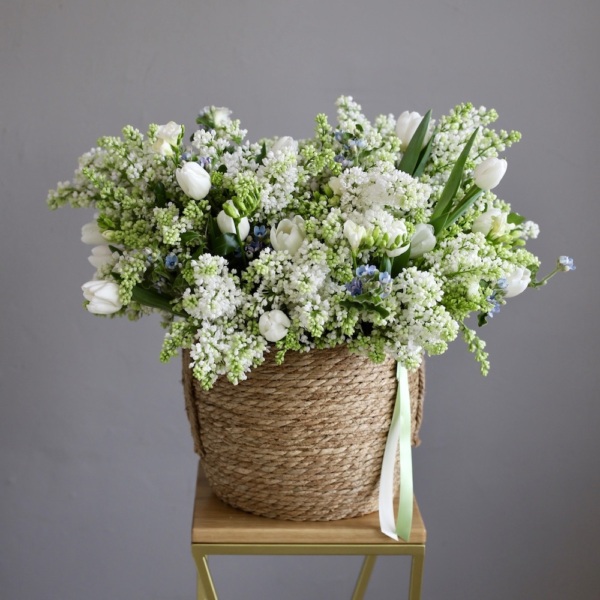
410, 160
221, 244
400, 262
263, 153
160, 194
449, 192
385, 264
460, 210
515, 218
191, 238
424, 157
115, 249
151, 298
364, 304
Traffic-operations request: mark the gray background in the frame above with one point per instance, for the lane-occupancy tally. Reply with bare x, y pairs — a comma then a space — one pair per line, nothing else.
96, 461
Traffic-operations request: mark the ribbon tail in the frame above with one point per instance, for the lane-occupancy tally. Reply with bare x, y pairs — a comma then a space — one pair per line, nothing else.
399, 438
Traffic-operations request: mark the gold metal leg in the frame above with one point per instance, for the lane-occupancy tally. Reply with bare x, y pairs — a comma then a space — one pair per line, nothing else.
416, 574
205, 589
364, 576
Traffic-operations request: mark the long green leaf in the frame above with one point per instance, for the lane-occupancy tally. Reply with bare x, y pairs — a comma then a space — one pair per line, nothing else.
459, 211
444, 203
221, 244
410, 160
399, 262
151, 298
424, 157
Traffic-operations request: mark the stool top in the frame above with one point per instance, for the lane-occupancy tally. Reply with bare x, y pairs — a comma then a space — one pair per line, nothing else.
215, 522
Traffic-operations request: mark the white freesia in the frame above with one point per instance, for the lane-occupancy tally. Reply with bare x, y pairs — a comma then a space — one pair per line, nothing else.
284, 143
406, 125
90, 234
423, 240
221, 116
227, 225
101, 255
288, 235
193, 180
489, 173
274, 325
102, 297
395, 229
354, 234
517, 281
492, 222
166, 137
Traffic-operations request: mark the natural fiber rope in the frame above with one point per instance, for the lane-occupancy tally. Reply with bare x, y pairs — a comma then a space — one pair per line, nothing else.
299, 441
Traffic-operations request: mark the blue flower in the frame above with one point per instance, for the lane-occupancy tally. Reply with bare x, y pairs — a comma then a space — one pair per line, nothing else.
338, 135
385, 278
260, 231
204, 161
171, 261
355, 287
565, 263
186, 155
502, 284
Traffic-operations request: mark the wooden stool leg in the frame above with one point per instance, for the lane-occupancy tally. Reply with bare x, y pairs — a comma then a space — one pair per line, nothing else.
364, 576
205, 589
416, 574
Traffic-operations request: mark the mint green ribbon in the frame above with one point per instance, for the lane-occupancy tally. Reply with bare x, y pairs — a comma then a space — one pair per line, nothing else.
399, 439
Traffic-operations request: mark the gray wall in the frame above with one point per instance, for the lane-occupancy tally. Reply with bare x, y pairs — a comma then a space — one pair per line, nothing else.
96, 461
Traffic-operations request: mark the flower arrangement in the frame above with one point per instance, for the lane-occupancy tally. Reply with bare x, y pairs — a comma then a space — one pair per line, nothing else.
383, 236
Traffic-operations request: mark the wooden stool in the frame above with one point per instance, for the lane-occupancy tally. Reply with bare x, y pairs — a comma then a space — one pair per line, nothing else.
220, 529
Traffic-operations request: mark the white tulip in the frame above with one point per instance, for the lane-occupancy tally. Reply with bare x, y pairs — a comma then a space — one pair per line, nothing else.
284, 143
492, 222
166, 136
397, 228
336, 186
227, 225
489, 173
288, 235
423, 240
193, 180
406, 125
274, 325
517, 282
102, 297
101, 255
354, 234
90, 234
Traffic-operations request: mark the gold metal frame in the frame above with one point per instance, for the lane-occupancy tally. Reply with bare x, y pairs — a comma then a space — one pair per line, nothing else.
218, 529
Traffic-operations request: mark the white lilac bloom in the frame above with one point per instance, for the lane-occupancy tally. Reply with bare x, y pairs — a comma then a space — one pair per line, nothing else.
102, 297
284, 144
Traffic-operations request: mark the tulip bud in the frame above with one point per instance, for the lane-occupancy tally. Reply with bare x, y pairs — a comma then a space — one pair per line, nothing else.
90, 234
193, 180
423, 240
101, 255
406, 125
354, 234
288, 235
102, 297
489, 173
273, 325
517, 281
227, 225
492, 222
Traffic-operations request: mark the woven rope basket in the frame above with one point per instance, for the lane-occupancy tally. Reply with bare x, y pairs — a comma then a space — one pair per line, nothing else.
302, 441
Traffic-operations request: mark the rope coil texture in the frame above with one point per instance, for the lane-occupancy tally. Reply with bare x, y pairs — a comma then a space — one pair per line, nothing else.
302, 441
